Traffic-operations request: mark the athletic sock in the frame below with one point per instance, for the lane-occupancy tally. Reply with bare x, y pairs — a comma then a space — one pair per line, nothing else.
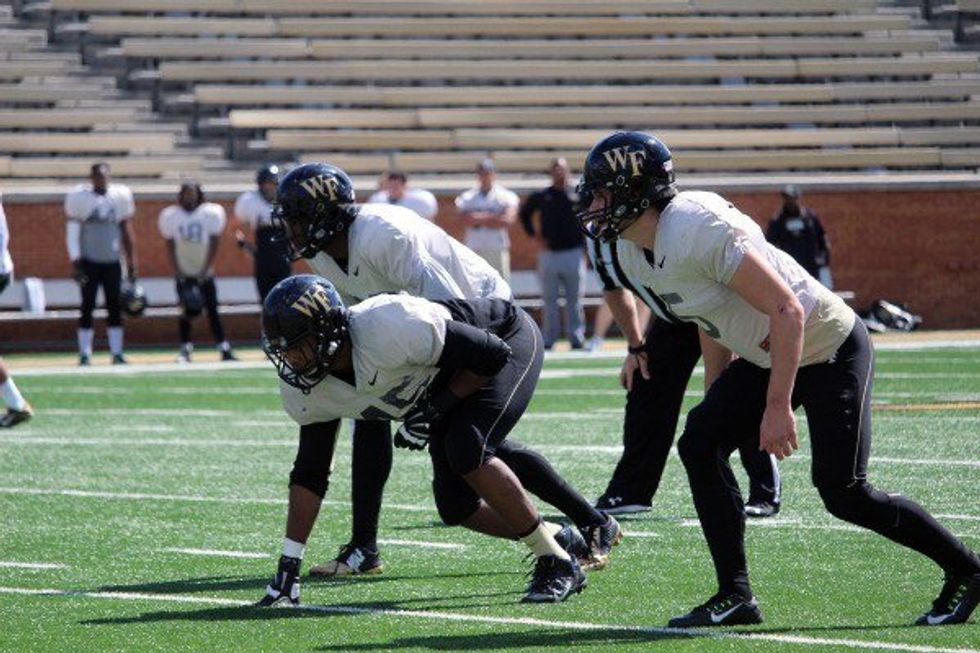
292, 548
85, 338
224, 346
115, 340
12, 396
542, 543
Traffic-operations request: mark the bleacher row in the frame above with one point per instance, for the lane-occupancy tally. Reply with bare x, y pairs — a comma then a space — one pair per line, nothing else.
175, 87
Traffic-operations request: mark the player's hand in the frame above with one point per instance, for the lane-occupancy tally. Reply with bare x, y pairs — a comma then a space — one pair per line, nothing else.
284, 587
416, 427
78, 274
633, 363
777, 434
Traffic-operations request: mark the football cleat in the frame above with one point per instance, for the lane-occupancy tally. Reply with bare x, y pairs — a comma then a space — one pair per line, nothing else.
15, 417
722, 609
554, 579
619, 505
228, 356
351, 561
955, 603
84, 360
184, 357
761, 508
119, 359
601, 539
570, 539
284, 588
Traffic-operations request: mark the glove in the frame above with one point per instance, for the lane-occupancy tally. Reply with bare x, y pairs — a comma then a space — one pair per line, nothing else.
285, 584
79, 273
417, 424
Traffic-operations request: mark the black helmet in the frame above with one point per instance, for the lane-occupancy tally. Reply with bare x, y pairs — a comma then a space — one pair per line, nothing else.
314, 203
637, 171
268, 172
190, 296
132, 297
303, 313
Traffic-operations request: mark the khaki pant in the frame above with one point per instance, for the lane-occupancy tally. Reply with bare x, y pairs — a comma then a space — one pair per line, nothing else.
499, 260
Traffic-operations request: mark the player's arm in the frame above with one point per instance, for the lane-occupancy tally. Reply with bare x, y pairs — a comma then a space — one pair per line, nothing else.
758, 283
243, 225
128, 239
716, 358
622, 305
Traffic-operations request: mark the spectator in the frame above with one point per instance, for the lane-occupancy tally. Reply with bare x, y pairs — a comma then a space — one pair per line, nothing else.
99, 224
488, 211
18, 410
253, 211
548, 216
395, 190
797, 231
192, 228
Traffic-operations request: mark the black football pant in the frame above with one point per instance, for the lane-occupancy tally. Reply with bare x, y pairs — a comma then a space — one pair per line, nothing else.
210, 294
271, 260
652, 410
109, 276
836, 397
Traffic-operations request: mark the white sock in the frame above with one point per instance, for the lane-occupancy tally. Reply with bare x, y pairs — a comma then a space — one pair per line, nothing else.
85, 338
552, 528
224, 346
11, 395
115, 340
542, 543
187, 348
292, 548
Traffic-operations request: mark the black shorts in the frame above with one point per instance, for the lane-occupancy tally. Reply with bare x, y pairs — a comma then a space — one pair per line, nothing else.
471, 432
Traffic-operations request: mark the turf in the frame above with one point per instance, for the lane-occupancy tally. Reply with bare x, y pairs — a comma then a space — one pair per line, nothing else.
119, 471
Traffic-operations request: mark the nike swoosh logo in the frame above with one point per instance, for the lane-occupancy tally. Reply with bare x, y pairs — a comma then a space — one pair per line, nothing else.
374, 380
661, 263
356, 270
719, 617
933, 621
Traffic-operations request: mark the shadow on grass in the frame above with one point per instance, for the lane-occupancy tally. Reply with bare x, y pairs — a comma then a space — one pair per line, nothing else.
518, 639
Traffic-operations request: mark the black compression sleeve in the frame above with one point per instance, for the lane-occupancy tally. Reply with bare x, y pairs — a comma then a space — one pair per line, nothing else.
311, 469
473, 349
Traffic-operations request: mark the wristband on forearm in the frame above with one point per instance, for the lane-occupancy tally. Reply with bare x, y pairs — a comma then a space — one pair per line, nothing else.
639, 349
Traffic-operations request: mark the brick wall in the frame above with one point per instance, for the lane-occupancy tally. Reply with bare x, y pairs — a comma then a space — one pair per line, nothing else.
913, 246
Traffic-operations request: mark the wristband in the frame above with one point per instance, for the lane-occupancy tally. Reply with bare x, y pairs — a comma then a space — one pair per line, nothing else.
639, 349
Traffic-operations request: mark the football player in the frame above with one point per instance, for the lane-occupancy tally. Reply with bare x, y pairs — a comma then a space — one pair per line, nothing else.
253, 211
364, 250
18, 410
457, 373
655, 374
797, 344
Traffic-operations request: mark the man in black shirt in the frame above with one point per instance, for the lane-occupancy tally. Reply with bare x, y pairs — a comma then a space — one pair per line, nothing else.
549, 217
797, 231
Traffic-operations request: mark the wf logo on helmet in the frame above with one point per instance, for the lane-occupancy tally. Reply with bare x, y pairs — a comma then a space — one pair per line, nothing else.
621, 158
314, 299
320, 186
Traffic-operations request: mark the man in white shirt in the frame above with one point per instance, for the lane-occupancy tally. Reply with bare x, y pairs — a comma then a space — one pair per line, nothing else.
797, 344
396, 191
366, 250
18, 410
488, 211
253, 210
193, 230
99, 226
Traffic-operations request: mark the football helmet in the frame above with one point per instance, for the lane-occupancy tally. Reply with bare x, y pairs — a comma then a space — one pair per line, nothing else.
268, 172
314, 203
635, 170
305, 325
132, 297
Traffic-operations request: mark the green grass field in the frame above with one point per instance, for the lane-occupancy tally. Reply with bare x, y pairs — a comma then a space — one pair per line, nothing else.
143, 511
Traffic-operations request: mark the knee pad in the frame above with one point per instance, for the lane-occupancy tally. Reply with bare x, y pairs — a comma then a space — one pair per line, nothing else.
465, 448
454, 508
316, 480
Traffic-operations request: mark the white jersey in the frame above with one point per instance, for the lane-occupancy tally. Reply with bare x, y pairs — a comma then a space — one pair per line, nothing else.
497, 200
6, 263
620, 264
390, 372
253, 209
701, 240
393, 250
192, 233
417, 199
100, 217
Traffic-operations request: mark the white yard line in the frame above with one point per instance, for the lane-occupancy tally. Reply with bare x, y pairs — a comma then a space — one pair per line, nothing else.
799, 640
10, 564
218, 553
423, 545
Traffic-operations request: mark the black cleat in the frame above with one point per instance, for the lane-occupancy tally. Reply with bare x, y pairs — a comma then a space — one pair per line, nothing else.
760, 508
84, 360
554, 580
722, 609
14, 417
955, 603
119, 359
351, 561
619, 505
601, 539
570, 539
228, 356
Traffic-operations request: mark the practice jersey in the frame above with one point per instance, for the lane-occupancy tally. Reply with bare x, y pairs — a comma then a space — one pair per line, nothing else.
396, 341
701, 240
497, 200
6, 263
192, 233
394, 250
253, 209
421, 201
620, 264
100, 217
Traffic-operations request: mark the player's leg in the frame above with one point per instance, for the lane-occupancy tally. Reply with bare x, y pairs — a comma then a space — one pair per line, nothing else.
112, 286
652, 409
551, 322
729, 415
184, 324
837, 400
209, 291
89, 288
18, 410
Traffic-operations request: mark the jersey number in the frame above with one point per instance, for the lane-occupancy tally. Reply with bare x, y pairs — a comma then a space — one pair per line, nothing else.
706, 325
192, 231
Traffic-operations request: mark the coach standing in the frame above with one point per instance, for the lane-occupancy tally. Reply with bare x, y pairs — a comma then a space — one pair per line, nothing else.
99, 225
253, 210
549, 216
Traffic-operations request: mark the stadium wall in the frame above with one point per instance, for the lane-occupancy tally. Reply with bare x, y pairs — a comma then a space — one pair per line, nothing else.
912, 246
